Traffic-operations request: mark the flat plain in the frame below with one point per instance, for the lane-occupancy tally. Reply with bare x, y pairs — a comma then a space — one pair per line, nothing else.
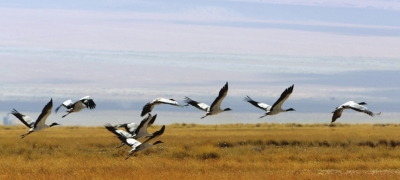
193, 151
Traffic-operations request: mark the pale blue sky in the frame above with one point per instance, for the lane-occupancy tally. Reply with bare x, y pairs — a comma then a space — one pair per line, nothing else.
126, 53
378, 13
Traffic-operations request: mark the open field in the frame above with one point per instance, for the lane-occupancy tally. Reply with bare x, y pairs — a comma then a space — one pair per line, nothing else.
192, 151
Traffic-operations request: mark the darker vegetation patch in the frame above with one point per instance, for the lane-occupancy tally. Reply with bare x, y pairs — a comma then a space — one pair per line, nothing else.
383, 142
297, 143
119, 153
381, 125
5, 127
366, 143
258, 143
72, 127
99, 145
325, 143
208, 155
252, 143
272, 142
393, 143
332, 125
225, 144
284, 143
180, 155
242, 143
297, 125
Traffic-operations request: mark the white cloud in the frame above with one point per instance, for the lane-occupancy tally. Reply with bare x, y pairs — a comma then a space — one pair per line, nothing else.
33, 74
124, 31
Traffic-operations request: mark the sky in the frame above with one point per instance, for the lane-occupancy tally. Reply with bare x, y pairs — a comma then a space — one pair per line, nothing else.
126, 53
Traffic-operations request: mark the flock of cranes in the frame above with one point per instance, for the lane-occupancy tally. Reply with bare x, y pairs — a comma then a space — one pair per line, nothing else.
133, 133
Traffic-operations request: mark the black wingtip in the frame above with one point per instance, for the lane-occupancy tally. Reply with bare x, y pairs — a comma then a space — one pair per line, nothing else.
51, 101
145, 109
152, 120
162, 129
362, 103
14, 111
159, 132
291, 88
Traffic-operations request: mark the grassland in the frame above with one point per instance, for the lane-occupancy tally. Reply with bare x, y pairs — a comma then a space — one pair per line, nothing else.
190, 151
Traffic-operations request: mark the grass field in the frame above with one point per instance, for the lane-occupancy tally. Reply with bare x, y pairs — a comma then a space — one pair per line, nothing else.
191, 151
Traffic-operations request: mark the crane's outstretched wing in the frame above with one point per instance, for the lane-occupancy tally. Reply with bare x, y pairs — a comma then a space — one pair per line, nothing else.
41, 120
146, 109
336, 114
67, 104
89, 103
156, 134
141, 130
198, 105
222, 94
117, 132
260, 105
285, 94
23, 118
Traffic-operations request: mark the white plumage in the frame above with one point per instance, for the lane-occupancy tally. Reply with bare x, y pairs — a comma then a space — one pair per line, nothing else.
137, 146
354, 106
40, 123
129, 127
138, 133
150, 105
85, 102
215, 107
276, 108
260, 105
118, 132
134, 143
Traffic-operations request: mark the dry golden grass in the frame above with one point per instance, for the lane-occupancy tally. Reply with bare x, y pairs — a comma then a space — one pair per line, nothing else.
190, 151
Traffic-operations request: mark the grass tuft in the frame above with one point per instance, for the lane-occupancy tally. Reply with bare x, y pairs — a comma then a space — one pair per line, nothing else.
181, 155
208, 155
225, 145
